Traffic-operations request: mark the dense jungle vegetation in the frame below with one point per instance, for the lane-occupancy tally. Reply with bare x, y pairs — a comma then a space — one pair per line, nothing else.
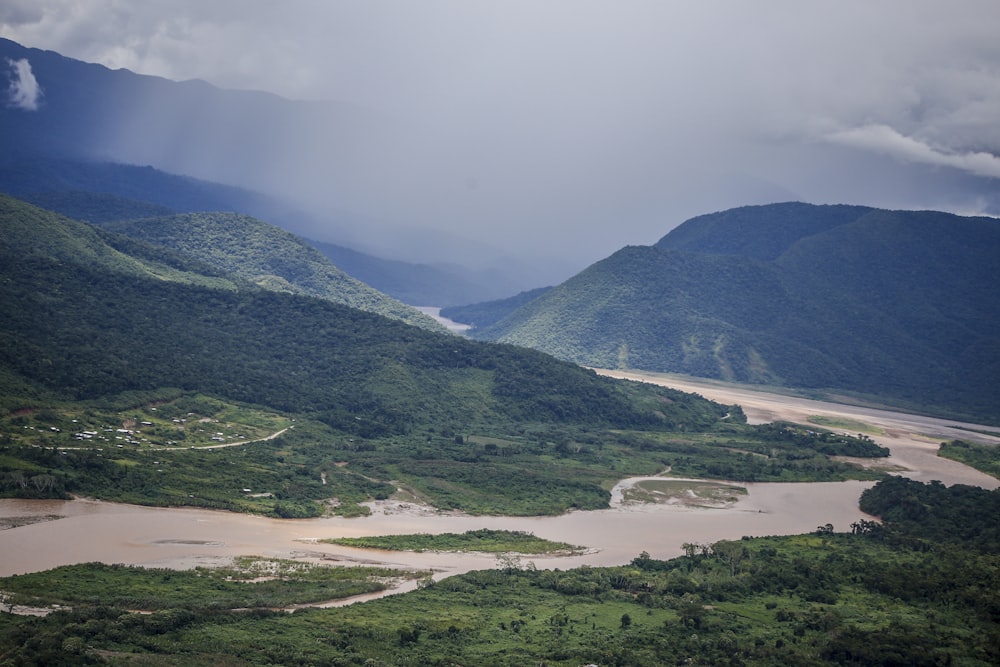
919, 589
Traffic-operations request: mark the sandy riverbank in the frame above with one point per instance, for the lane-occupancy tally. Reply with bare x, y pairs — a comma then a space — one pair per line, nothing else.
912, 439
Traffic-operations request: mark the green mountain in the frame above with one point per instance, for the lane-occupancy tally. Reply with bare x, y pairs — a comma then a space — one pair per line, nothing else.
33, 235
264, 255
83, 319
95, 207
898, 306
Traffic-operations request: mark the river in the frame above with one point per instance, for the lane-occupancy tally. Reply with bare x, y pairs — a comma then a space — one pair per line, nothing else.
88, 530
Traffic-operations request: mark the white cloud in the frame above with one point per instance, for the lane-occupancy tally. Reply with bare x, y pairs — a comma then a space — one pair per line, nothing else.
24, 91
884, 139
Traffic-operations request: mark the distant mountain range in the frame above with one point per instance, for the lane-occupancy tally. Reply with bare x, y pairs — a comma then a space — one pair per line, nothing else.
480, 316
101, 192
898, 307
190, 146
87, 112
68, 186
417, 284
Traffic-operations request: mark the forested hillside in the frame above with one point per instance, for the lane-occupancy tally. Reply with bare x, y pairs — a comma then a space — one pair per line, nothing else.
898, 306
264, 255
45, 181
74, 325
101, 192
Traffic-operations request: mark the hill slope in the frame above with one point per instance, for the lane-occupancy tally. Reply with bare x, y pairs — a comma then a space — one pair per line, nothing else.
267, 256
63, 185
82, 319
898, 305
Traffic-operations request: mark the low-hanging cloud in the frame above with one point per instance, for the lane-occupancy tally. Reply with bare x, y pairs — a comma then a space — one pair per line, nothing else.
886, 140
24, 91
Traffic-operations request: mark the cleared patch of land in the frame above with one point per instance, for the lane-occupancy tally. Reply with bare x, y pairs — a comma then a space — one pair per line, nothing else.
174, 422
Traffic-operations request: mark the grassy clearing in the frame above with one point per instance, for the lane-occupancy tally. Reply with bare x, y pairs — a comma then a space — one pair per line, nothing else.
845, 423
182, 421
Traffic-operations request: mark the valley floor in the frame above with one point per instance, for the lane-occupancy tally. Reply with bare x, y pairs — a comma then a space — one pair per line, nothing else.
81, 530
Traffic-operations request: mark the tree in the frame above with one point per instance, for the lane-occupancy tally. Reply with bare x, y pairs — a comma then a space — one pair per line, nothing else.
508, 562
866, 527
731, 553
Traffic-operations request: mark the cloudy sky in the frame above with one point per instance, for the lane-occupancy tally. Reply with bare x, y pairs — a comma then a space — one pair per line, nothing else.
574, 127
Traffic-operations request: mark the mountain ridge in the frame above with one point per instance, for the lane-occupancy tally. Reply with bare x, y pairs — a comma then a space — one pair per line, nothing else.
267, 256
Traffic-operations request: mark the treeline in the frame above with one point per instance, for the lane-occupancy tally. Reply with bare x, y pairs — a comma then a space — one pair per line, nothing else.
960, 514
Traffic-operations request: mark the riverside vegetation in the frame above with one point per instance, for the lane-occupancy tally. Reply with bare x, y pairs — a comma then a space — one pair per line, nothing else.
918, 589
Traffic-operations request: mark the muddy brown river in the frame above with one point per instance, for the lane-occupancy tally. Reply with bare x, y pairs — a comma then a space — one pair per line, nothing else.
87, 530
